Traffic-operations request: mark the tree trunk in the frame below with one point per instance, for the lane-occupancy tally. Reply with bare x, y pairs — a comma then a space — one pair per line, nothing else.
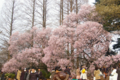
68, 7
76, 6
44, 12
71, 5
33, 14
61, 12
11, 24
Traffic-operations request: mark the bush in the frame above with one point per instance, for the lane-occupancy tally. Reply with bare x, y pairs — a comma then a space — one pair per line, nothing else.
10, 75
48, 75
45, 74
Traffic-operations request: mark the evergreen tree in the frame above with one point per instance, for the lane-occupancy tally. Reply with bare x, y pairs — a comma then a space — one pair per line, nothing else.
109, 10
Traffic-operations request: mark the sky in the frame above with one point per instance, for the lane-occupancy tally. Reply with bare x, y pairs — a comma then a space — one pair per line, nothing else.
91, 2
2, 1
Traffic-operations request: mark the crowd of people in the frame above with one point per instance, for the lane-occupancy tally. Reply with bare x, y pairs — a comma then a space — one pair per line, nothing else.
100, 73
58, 74
109, 73
29, 74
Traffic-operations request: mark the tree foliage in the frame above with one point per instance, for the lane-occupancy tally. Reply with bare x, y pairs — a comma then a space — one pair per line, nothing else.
27, 48
109, 10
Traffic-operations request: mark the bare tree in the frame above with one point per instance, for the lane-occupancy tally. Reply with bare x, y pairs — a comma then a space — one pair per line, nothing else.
69, 6
9, 16
35, 13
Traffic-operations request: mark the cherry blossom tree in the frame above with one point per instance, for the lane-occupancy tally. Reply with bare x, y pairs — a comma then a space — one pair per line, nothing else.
106, 61
79, 36
27, 48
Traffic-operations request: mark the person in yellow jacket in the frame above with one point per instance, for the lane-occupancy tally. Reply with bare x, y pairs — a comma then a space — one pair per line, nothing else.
18, 74
83, 75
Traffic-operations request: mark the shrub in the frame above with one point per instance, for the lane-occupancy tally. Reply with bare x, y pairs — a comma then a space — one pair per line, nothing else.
10, 75
45, 74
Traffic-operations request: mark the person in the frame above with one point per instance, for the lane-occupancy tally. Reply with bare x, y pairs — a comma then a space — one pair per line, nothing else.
78, 73
3, 76
81, 67
118, 71
83, 75
52, 74
18, 74
114, 74
22, 77
60, 75
105, 71
39, 74
97, 73
26, 73
33, 75
67, 71
27, 78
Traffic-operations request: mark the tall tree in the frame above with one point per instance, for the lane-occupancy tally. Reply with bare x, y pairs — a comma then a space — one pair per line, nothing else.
73, 39
69, 6
9, 18
110, 13
35, 13
24, 52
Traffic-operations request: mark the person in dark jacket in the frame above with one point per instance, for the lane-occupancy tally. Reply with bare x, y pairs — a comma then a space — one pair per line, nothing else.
33, 75
26, 73
67, 71
3, 76
118, 71
105, 71
22, 77
40, 76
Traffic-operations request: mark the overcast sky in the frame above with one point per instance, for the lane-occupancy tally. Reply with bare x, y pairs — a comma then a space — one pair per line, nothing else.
2, 1
91, 1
